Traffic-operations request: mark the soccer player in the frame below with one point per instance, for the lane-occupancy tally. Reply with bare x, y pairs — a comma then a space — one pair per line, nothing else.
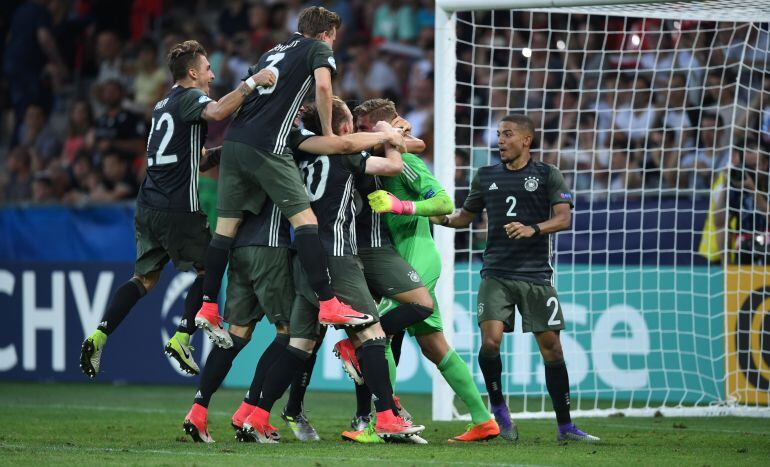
526, 201
330, 183
168, 222
260, 282
256, 164
409, 199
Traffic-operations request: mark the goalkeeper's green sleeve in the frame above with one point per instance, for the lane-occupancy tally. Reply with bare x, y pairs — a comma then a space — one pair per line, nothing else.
436, 206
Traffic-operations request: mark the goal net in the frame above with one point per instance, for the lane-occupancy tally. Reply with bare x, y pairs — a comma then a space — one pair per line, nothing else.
658, 115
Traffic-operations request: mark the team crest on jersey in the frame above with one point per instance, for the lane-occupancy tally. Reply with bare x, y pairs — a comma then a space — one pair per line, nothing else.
414, 276
530, 183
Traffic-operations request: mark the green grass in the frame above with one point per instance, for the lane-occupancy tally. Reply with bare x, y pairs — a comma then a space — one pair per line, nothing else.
76, 424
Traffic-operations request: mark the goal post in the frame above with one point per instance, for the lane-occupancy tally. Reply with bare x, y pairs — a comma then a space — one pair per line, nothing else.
654, 111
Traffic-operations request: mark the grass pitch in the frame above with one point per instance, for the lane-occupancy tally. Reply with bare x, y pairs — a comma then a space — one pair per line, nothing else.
88, 424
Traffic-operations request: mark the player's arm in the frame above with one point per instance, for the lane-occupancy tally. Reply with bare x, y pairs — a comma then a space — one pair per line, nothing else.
349, 144
390, 165
413, 145
416, 176
561, 211
473, 205
323, 98
219, 110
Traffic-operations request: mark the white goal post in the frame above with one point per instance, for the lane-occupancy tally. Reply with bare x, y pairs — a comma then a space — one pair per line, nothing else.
658, 114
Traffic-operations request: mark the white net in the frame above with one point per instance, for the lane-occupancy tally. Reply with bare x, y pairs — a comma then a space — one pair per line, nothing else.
660, 122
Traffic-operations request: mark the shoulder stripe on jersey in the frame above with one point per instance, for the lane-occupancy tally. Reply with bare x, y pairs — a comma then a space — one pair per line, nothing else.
353, 239
410, 173
280, 142
197, 159
193, 188
339, 222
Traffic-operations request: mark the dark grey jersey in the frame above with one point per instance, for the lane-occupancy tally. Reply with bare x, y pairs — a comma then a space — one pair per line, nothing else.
266, 116
268, 228
525, 195
174, 147
371, 229
330, 183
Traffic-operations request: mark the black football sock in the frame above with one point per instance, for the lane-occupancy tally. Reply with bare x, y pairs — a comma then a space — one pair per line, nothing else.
268, 358
215, 263
403, 316
299, 385
279, 377
492, 369
313, 258
557, 382
363, 400
122, 301
192, 303
217, 366
395, 345
374, 369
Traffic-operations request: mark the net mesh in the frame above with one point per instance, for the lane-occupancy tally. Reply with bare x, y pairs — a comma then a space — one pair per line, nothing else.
660, 122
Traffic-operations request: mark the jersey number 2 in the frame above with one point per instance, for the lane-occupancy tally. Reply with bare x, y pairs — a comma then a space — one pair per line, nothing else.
552, 321
272, 61
160, 158
512, 200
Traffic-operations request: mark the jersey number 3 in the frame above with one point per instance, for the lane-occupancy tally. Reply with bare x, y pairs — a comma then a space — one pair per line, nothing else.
272, 61
160, 158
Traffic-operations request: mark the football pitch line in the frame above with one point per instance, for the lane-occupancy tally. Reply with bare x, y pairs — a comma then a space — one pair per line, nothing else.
222, 413
252, 454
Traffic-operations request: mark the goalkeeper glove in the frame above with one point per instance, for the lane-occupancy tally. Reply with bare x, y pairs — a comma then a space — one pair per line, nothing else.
381, 201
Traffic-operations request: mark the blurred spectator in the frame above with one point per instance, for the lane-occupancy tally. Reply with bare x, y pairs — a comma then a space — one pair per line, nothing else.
635, 114
367, 76
233, 18
42, 188
709, 156
16, 182
109, 49
118, 128
421, 103
36, 134
83, 178
259, 26
80, 130
675, 116
30, 49
150, 80
395, 20
117, 182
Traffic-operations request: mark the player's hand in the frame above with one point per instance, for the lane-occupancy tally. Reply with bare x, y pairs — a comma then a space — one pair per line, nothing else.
438, 220
210, 158
383, 202
400, 122
264, 78
517, 230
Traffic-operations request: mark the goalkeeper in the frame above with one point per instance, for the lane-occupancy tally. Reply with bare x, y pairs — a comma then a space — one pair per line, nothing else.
409, 199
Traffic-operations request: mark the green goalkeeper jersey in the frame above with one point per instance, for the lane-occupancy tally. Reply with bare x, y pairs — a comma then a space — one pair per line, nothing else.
411, 234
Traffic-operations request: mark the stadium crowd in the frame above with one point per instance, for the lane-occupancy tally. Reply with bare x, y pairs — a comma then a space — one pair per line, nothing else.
626, 107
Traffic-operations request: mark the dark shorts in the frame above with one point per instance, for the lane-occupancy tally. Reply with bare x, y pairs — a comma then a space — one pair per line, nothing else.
387, 273
248, 176
181, 237
538, 304
349, 285
259, 283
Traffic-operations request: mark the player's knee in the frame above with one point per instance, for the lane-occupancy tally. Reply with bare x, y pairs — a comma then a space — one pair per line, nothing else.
306, 345
148, 281
550, 348
244, 332
490, 346
282, 328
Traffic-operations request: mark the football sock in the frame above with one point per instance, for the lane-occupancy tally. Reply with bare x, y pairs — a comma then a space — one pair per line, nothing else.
192, 303
266, 361
403, 316
299, 385
455, 372
214, 371
280, 375
313, 258
391, 366
557, 382
395, 345
371, 358
363, 400
492, 369
124, 299
215, 263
